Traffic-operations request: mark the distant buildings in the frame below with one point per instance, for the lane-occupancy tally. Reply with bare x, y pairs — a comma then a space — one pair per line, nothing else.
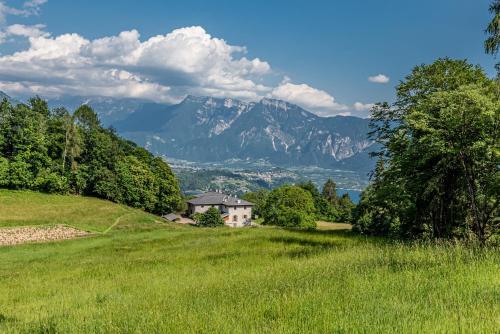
235, 212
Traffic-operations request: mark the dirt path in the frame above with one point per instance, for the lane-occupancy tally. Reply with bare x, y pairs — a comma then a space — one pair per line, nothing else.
21, 235
116, 222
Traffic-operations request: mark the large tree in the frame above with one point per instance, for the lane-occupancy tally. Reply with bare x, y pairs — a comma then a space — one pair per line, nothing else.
290, 206
492, 43
437, 175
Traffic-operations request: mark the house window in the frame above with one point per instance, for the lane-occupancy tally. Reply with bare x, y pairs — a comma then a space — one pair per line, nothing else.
244, 208
244, 216
202, 206
235, 218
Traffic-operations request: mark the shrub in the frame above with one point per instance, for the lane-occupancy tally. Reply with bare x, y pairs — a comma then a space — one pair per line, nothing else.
290, 206
211, 218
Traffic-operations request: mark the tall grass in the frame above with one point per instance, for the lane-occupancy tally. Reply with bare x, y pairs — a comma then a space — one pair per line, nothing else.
164, 278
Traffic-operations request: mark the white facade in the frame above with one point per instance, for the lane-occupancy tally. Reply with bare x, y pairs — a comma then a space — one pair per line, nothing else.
234, 216
238, 215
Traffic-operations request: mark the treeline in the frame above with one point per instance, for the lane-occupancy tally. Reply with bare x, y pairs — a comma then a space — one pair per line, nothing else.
57, 152
437, 174
301, 205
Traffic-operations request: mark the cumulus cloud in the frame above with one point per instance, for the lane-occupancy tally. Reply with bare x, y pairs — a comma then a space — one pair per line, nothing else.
380, 78
308, 97
162, 68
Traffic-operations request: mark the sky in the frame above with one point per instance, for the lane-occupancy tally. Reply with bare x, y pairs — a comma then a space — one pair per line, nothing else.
330, 57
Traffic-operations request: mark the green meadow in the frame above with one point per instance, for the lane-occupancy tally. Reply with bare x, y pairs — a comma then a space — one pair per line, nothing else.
137, 274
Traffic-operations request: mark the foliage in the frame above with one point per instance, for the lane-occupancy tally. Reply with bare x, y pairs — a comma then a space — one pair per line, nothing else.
330, 192
346, 207
437, 174
325, 209
492, 43
56, 152
211, 218
289, 206
197, 216
258, 198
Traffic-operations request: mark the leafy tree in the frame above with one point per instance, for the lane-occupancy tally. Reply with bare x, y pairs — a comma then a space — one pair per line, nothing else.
346, 207
290, 206
437, 169
325, 210
258, 198
211, 218
492, 43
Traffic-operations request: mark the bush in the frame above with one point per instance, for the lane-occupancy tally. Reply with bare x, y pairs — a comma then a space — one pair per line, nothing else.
290, 206
211, 218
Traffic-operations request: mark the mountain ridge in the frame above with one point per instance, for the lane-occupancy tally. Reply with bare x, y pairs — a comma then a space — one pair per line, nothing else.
215, 129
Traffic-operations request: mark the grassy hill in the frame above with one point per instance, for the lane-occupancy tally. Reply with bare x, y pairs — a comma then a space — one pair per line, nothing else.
144, 276
26, 208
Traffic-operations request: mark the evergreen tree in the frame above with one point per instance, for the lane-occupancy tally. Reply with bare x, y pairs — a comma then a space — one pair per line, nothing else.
330, 192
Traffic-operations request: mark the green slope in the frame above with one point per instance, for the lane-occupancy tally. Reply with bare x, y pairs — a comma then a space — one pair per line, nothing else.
26, 208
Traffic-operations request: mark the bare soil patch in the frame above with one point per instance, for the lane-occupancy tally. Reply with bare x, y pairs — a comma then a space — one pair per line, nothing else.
21, 235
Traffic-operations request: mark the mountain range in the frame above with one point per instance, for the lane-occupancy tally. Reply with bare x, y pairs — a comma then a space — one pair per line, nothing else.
216, 129
208, 129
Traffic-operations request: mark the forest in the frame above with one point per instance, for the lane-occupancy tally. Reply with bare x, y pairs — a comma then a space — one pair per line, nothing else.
56, 151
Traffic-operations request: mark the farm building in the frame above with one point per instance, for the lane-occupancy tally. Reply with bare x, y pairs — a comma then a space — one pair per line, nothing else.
235, 212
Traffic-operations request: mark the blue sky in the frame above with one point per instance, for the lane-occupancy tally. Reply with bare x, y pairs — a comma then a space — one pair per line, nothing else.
318, 54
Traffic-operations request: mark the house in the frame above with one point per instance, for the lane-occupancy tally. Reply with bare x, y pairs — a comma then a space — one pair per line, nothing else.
235, 212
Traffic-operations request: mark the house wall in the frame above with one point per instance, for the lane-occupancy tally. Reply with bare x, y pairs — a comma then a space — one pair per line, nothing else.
201, 208
238, 215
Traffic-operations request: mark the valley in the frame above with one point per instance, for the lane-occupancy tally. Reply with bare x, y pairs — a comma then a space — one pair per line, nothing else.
240, 176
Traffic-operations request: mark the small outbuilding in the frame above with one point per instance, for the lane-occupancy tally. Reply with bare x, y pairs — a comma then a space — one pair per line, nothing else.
171, 217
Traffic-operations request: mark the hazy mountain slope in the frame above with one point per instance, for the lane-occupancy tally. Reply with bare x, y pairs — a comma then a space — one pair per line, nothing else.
211, 129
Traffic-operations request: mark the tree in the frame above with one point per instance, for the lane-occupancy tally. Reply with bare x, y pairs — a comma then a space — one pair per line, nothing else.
492, 43
325, 210
211, 218
439, 151
346, 207
330, 192
290, 206
258, 198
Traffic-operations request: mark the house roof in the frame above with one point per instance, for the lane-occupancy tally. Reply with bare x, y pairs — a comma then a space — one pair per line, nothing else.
215, 198
171, 216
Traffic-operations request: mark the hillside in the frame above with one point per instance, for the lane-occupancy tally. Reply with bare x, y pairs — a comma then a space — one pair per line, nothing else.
55, 151
28, 208
142, 276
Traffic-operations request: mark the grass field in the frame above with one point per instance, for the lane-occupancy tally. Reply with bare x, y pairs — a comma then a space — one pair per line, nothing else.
148, 277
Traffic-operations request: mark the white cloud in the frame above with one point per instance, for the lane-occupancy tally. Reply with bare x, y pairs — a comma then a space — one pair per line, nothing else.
358, 106
30, 8
34, 3
26, 31
380, 78
162, 68
308, 97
